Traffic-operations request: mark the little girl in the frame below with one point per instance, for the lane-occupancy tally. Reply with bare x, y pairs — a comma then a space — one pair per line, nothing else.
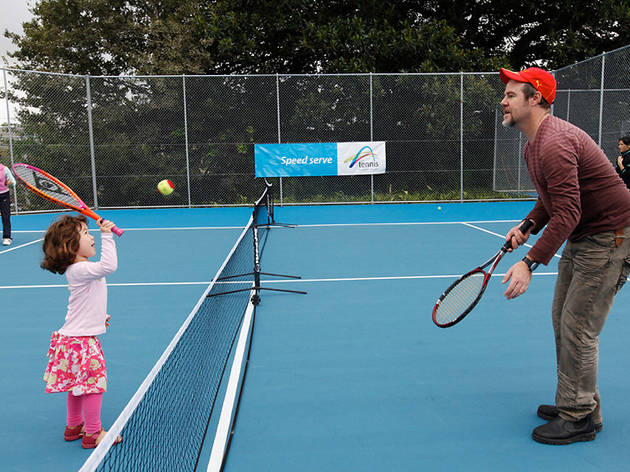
75, 359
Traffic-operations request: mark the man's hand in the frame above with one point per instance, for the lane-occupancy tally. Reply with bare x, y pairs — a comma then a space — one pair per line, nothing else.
517, 237
520, 275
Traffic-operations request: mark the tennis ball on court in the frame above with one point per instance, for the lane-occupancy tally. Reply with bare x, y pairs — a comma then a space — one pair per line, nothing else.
165, 187
439, 208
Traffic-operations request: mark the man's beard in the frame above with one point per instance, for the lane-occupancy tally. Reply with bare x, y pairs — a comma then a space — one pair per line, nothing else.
508, 122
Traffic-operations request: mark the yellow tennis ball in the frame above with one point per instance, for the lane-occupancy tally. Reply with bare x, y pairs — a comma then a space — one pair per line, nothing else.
439, 208
165, 187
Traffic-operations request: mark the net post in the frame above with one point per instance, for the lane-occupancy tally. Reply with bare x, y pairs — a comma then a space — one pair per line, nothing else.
88, 94
264, 201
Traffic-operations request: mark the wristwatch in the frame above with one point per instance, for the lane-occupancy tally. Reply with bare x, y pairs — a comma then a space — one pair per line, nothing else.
531, 265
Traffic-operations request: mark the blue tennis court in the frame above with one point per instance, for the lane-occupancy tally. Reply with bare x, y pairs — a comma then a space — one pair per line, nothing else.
353, 375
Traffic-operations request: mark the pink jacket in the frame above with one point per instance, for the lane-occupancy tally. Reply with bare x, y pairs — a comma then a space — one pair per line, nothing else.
87, 305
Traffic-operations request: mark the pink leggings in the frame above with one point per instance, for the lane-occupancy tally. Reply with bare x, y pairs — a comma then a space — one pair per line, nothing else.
85, 409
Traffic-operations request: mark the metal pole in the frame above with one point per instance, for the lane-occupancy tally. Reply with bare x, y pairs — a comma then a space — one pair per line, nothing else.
371, 138
278, 114
494, 157
568, 104
186, 140
461, 136
6, 101
91, 133
521, 158
601, 99
519, 163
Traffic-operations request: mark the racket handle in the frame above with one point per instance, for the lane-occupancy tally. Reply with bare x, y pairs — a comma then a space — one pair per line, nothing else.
527, 224
117, 231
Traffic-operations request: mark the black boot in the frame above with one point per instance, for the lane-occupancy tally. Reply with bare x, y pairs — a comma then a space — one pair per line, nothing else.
561, 431
550, 412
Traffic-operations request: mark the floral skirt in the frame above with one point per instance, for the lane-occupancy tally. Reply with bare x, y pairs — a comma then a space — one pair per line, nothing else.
75, 364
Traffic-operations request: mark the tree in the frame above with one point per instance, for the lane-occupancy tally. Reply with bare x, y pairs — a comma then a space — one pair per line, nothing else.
138, 125
551, 33
103, 37
111, 37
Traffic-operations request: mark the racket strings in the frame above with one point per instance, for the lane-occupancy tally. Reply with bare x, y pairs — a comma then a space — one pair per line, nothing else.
46, 185
459, 298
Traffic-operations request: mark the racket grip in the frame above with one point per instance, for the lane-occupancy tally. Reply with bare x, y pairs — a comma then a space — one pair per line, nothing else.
117, 231
527, 224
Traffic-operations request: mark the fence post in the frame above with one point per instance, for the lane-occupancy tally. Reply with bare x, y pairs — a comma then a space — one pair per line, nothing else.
91, 134
278, 114
461, 136
186, 139
371, 138
601, 99
6, 101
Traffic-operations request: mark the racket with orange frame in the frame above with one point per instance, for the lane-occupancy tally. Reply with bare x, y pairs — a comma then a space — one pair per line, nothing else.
54, 190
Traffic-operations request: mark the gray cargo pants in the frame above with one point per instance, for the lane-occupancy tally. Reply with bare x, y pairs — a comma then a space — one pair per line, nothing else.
590, 273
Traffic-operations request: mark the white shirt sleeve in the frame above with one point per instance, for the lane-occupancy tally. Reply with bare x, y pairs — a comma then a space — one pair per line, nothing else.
87, 270
9, 175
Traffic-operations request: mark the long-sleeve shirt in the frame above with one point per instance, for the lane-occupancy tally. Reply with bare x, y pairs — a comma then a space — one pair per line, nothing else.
6, 178
87, 305
579, 191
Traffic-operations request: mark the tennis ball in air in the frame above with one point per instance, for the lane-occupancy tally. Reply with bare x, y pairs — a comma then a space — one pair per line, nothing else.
165, 187
439, 208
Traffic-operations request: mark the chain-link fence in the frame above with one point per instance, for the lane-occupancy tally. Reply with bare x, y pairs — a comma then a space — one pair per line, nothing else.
113, 138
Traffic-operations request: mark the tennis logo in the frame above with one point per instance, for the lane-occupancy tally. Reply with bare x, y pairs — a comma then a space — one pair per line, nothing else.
49, 186
361, 158
364, 152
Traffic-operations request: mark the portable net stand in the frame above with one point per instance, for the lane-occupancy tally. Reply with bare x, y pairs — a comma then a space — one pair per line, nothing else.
264, 222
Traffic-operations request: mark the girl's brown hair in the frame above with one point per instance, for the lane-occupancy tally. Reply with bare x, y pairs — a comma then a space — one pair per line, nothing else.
61, 243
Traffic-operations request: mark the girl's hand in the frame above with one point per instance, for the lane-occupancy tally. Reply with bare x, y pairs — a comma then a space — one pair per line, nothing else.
105, 225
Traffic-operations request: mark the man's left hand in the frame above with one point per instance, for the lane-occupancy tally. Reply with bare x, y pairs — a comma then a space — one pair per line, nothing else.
520, 276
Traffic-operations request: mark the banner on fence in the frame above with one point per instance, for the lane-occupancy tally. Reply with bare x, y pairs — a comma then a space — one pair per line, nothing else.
315, 159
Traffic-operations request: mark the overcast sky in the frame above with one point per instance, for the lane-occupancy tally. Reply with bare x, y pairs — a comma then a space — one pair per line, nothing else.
12, 14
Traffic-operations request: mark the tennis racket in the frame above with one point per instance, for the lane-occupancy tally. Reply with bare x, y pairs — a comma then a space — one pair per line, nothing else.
54, 190
461, 297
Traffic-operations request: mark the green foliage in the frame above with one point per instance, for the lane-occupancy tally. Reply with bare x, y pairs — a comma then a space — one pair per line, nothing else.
405, 196
139, 132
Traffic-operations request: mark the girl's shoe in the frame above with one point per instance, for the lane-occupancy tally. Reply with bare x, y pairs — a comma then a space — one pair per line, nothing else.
90, 441
72, 433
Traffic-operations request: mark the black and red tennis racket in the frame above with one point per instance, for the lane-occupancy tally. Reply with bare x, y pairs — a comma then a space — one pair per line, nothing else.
54, 190
461, 297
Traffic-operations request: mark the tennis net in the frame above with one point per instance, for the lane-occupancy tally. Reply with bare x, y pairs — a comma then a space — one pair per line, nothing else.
165, 424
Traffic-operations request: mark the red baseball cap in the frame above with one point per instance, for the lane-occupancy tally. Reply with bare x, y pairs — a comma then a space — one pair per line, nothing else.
540, 79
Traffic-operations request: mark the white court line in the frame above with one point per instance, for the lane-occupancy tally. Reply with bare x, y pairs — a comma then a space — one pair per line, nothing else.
269, 281
322, 225
404, 223
229, 400
180, 228
164, 228
499, 235
14, 248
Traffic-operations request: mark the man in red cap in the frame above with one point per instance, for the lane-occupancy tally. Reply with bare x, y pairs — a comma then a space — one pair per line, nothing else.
581, 200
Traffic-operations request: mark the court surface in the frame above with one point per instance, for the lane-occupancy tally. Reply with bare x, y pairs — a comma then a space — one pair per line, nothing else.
352, 376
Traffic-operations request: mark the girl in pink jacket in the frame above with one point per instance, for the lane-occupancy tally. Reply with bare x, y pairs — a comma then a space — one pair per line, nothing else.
76, 363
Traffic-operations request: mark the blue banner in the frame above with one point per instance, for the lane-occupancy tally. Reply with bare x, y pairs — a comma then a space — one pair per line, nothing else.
319, 159
292, 160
